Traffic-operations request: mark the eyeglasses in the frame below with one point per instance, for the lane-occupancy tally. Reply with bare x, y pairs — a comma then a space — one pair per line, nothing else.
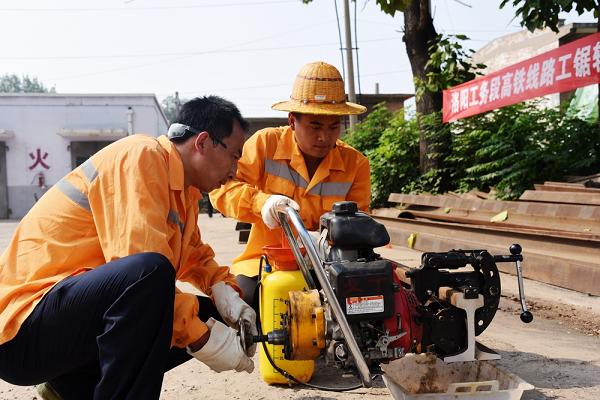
177, 131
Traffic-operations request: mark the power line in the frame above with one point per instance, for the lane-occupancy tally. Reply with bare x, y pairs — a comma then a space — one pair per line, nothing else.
356, 48
216, 5
191, 53
240, 88
277, 84
337, 17
277, 35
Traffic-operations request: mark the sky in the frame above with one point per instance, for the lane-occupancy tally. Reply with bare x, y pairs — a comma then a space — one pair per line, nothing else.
248, 51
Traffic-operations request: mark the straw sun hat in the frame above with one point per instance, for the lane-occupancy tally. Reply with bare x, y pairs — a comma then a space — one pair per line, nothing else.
319, 89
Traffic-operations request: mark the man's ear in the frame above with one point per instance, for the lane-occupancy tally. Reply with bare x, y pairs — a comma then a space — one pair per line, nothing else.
200, 141
292, 121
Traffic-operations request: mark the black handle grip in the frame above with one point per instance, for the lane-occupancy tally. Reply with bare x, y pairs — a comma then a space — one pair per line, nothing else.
526, 317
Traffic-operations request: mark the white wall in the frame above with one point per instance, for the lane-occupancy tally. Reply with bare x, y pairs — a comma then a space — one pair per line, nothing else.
36, 121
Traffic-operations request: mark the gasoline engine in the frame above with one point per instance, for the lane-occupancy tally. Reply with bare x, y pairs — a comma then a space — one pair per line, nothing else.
358, 312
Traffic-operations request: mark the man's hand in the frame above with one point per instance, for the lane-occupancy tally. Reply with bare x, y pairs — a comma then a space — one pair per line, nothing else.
269, 209
233, 310
223, 350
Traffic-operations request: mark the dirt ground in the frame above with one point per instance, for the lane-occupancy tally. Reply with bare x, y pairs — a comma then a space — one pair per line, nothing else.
558, 353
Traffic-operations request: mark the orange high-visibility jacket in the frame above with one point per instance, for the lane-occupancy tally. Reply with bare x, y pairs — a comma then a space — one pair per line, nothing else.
128, 198
272, 163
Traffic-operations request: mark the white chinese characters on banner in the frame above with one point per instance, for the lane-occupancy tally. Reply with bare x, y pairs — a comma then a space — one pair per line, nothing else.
570, 66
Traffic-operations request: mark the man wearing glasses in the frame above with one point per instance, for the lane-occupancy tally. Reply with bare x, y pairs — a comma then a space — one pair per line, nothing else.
303, 165
88, 302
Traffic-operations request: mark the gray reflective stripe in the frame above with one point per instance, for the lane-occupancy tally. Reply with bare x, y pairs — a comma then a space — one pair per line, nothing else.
283, 171
89, 170
174, 218
73, 193
331, 189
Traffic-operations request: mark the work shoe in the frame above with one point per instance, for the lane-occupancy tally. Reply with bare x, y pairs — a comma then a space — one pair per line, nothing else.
47, 392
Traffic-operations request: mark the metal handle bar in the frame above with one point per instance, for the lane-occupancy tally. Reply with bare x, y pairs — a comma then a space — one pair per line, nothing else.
526, 315
286, 213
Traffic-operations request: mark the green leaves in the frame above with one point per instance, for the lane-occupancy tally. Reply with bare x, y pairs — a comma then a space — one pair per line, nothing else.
13, 84
539, 14
392, 146
508, 149
512, 148
392, 6
448, 65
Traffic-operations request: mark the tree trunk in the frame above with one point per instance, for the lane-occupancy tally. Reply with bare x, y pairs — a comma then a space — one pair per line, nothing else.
418, 32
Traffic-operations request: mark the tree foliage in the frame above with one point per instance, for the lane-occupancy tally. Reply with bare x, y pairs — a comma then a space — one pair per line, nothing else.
449, 65
392, 145
514, 147
365, 135
508, 150
11, 83
538, 14
170, 105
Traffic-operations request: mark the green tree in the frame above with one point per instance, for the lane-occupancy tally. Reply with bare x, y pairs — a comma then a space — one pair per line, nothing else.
508, 149
539, 14
512, 148
391, 144
365, 135
11, 83
420, 37
170, 105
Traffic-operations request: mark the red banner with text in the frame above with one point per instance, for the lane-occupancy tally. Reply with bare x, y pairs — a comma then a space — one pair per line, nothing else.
568, 67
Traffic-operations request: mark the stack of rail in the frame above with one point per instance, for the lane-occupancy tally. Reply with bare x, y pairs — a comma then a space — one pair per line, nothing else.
558, 226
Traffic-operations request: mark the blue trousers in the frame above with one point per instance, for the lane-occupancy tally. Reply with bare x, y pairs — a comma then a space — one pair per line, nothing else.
103, 334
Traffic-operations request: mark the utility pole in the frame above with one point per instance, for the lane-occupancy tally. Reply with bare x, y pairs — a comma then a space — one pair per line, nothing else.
177, 103
349, 62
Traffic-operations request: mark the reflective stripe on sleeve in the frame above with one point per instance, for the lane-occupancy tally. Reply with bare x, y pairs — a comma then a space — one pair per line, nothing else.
174, 218
73, 193
89, 170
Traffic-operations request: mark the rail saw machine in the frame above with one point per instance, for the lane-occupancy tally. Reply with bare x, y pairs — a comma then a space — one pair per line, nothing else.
358, 313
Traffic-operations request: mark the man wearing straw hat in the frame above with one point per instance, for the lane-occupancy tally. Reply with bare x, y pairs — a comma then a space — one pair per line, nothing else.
303, 165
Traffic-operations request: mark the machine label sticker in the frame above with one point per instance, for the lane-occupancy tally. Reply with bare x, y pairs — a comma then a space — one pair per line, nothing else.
364, 305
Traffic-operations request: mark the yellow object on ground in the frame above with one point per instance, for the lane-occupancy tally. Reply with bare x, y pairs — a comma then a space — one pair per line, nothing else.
272, 163
503, 216
92, 216
274, 290
412, 238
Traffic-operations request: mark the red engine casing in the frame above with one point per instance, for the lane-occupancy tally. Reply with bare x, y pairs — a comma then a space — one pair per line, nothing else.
405, 303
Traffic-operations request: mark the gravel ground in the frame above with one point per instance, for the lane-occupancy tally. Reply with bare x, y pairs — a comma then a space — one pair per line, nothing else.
558, 353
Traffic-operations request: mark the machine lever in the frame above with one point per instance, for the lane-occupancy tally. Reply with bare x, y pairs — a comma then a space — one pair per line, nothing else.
526, 316
289, 217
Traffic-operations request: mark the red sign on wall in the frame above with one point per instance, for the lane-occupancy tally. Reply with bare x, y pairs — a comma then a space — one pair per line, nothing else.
568, 67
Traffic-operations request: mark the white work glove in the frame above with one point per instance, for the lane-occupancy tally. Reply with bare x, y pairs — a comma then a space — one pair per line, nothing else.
269, 209
223, 350
232, 308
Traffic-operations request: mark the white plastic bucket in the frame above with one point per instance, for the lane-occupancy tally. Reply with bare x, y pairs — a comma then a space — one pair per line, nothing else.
424, 376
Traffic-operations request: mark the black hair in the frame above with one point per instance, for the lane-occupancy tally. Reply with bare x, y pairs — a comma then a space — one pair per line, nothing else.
212, 114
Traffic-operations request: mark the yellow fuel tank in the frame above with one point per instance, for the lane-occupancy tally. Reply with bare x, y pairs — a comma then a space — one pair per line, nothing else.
274, 289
